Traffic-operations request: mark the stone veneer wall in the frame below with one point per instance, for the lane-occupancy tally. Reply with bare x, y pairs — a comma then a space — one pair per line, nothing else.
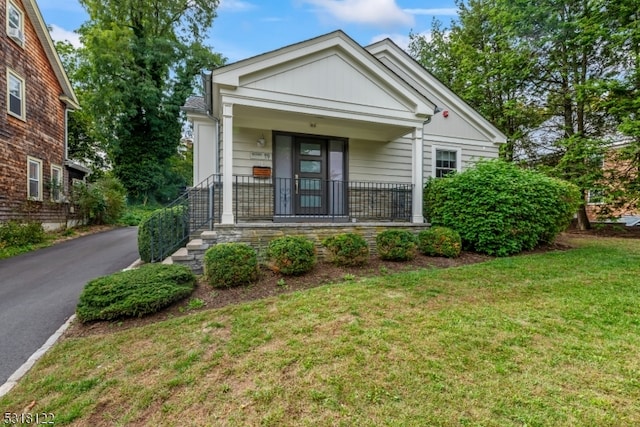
259, 235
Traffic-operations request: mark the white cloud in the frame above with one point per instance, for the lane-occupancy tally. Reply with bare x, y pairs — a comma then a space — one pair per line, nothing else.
433, 12
60, 34
385, 13
235, 6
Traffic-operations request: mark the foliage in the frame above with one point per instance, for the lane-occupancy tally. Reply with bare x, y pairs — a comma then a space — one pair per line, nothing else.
134, 293
133, 215
348, 249
440, 241
396, 245
500, 209
291, 255
162, 233
101, 202
230, 264
133, 73
15, 233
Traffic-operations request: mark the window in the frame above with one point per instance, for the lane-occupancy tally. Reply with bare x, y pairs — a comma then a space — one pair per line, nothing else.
445, 161
15, 23
34, 178
15, 100
56, 183
595, 197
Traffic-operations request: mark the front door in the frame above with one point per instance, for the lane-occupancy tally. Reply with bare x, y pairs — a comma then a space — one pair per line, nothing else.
310, 176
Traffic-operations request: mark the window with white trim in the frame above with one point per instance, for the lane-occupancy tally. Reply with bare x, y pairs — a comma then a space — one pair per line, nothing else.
445, 161
34, 178
15, 23
56, 183
15, 89
595, 196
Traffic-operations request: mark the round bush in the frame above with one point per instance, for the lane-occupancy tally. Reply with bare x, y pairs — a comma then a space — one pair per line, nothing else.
291, 255
396, 245
347, 249
501, 209
132, 293
230, 264
440, 241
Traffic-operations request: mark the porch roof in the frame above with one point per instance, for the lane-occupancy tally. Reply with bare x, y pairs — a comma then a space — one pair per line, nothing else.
330, 81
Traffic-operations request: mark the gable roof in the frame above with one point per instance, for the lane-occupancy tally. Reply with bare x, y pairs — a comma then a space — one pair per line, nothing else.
362, 62
68, 95
422, 80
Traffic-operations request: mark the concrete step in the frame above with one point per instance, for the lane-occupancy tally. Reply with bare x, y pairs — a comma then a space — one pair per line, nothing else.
197, 245
182, 255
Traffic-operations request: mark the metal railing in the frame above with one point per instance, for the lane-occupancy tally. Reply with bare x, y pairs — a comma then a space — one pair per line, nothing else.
271, 199
170, 227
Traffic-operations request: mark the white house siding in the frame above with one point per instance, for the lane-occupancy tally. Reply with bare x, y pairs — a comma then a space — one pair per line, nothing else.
380, 161
245, 146
471, 151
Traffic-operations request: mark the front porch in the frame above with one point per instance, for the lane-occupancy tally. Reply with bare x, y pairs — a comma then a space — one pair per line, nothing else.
259, 199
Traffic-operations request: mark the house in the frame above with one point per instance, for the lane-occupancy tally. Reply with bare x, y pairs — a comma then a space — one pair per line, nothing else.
602, 203
327, 134
36, 97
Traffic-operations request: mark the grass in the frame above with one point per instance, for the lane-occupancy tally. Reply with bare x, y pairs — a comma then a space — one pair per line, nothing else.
539, 340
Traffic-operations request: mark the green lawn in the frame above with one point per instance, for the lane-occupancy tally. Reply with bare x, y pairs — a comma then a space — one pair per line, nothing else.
539, 340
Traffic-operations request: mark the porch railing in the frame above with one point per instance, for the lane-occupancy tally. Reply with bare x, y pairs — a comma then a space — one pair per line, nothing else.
275, 199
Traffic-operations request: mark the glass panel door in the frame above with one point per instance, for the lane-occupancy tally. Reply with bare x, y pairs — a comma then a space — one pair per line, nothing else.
310, 174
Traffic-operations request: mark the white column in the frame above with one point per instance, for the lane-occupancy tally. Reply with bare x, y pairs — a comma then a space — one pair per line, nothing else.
417, 172
227, 156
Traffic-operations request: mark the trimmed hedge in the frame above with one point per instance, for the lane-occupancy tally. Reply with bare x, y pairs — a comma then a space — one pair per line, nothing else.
134, 293
396, 245
230, 264
501, 209
440, 241
291, 255
164, 232
348, 249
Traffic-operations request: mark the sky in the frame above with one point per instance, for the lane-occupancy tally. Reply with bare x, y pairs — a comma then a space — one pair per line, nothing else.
245, 28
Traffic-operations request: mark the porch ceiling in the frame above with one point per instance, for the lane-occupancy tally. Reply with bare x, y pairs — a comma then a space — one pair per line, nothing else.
262, 118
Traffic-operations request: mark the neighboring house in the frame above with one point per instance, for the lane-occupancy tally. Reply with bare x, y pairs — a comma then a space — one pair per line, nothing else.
328, 131
36, 96
597, 206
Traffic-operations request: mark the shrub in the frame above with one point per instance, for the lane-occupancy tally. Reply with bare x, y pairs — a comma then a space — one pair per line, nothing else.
230, 264
396, 245
291, 255
163, 233
101, 202
440, 241
136, 292
15, 234
347, 249
500, 209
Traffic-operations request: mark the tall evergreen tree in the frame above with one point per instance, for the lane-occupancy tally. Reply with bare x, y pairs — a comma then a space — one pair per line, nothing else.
140, 61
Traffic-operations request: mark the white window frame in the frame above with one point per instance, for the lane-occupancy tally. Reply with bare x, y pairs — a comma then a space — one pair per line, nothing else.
13, 75
15, 31
59, 186
596, 194
434, 152
30, 179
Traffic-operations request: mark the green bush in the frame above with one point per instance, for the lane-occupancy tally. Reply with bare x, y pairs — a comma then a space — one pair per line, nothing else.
347, 249
230, 264
440, 241
134, 293
101, 202
396, 245
163, 233
501, 209
291, 255
15, 234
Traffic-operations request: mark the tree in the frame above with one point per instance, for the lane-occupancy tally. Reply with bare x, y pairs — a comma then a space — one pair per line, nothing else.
140, 59
480, 59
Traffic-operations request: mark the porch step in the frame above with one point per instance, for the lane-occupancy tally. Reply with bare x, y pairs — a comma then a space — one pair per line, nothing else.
182, 255
197, 245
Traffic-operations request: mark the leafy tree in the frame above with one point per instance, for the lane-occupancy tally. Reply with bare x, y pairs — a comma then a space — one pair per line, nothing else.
139, 63
480, 59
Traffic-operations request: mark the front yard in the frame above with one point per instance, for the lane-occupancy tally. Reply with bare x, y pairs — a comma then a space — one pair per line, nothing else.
543, 339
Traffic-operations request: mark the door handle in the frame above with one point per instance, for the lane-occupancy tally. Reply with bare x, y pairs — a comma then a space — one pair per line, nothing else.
296, 182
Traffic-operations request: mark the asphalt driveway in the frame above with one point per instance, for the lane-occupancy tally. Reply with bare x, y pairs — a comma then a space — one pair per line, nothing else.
39, 290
